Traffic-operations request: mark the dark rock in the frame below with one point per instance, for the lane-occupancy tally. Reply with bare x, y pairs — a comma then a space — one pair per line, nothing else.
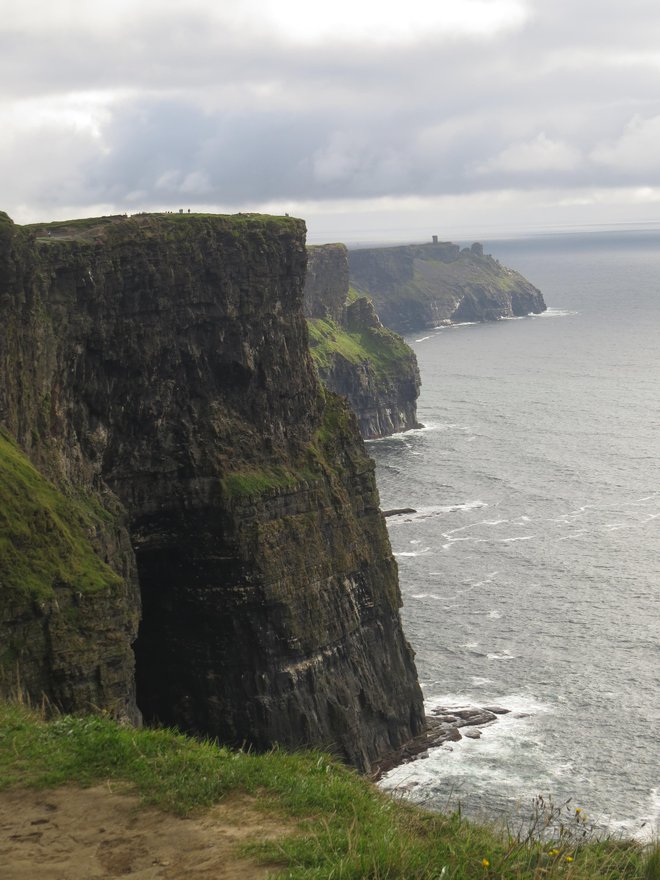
475, 716
158, 367
442, 727
399, 511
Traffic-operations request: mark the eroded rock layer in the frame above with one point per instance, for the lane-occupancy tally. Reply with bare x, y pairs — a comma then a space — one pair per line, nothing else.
157, 367
355, 355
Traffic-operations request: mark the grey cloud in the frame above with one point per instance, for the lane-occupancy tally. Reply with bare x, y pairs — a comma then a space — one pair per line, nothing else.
229, 115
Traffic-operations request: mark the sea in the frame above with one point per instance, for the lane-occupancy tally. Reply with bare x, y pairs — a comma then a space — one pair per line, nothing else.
530, 569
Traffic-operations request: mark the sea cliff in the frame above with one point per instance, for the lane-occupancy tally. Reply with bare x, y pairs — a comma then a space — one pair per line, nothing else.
425, 285
171, 459
355, 355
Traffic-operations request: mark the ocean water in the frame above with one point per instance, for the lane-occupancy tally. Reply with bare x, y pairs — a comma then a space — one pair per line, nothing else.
530, 572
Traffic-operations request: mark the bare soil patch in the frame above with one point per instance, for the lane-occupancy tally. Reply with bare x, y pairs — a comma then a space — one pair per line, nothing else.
83, 834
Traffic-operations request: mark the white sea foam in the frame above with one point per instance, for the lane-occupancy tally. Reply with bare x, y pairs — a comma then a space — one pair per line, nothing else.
557, 313
646, 829
458, 324
440, 510
406, 435
485, 763
414, 553
423, 339
519, 538
451, 541
501, 655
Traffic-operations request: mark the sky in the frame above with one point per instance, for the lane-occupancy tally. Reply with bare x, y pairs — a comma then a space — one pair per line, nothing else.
371, 120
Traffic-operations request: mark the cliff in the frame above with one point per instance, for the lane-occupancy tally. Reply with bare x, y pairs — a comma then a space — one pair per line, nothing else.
354, 354
163, 427
425, 285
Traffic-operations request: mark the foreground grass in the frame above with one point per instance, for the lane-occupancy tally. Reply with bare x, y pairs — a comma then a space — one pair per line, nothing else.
347, 828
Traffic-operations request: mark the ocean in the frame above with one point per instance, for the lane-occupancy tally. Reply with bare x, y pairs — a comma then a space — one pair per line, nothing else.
530, 572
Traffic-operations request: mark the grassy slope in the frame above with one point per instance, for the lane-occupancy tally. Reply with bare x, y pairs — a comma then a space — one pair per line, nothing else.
383, 349
44, 535
347, 828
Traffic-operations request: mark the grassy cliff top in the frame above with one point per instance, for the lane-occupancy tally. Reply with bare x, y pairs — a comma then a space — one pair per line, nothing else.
334, 823
100, 228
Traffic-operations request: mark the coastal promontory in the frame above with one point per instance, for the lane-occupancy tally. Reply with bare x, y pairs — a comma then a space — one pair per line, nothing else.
191, 527
425, 285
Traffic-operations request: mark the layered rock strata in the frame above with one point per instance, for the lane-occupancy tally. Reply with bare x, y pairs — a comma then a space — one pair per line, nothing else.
425, 285
157, 368
355, 355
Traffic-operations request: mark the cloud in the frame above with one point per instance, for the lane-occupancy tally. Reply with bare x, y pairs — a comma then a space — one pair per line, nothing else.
636, 150
539, 154
265, 103
390, 22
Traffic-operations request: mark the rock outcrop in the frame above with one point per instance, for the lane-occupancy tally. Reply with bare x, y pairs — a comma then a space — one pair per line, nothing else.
425, 285
354, 354
159, 402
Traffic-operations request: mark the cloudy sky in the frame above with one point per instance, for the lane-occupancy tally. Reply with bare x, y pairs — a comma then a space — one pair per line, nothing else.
373, 120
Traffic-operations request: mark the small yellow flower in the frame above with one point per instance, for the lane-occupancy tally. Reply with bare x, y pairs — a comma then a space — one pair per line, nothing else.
553, 852
578, 809
485, 863
568, 858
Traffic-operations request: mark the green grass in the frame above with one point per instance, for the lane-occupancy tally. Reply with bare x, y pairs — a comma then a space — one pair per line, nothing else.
345, 827
383, 349
44, 535
252, 481
157, 223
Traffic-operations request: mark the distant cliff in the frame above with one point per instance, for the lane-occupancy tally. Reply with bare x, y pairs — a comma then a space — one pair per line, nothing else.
354, 354
168, 458
424, 285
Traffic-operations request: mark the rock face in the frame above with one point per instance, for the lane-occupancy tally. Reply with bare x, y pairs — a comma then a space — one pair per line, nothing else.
354, 354
156, 372
418, 286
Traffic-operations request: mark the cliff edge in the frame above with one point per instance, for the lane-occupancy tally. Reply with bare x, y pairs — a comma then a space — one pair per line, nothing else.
160, 410
425, 285
355, 355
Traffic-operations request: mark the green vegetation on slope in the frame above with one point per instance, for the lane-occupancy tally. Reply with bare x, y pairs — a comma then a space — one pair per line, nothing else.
347, 828
382, 348
45, 535
253, 481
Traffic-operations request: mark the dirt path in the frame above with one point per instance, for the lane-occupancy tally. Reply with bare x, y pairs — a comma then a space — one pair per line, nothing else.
84, 834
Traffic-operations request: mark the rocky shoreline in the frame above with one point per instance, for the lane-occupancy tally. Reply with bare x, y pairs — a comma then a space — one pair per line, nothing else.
444, 724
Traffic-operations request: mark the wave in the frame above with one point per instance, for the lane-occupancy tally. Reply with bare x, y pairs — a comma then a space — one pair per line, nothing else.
441, 509
457, 324
406, 435
501, 655
556, 313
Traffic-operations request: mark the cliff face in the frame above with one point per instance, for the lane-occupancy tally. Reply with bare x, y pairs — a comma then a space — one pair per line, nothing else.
158, 368
354, 354
417, 286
